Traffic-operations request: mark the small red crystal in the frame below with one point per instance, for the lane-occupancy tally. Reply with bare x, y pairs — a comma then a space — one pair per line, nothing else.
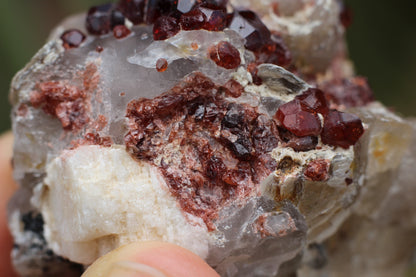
233, 88
133, 10
160, 8
225, 55
317, 170
249, 26
341, 129
216, 20
101, 19
165, 27
345, 15
193, 20
121, 31
297, 119
72, 38
354, 92
161, 65
314, 100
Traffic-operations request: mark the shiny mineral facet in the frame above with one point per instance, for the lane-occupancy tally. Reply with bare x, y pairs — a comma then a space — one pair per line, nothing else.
165, 27
72, 38
341, 129
225, 55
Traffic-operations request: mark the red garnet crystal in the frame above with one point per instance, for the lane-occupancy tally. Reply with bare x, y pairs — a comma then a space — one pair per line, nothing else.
352, 92
161, 65
225, 55
317, 170
165, 27
72, 38
314, 100
216, 20
193, 20
101, 19
121, 31
250, 27
157, 8
296, 118
341, 129
133, 10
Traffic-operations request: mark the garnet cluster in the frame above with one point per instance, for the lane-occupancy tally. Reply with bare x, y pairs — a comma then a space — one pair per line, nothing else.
308, 116
170, 16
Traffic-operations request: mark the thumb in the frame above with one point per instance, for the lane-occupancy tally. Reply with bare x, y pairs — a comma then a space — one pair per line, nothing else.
150, 259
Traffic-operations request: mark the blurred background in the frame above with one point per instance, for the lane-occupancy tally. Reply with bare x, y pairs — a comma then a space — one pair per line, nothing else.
382, 43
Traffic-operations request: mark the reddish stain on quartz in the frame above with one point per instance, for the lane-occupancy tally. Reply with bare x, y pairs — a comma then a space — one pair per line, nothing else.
99, 49
161, 65
341, 129
22, 110
225, 55
67, 102
233, 88
210, 151
92, 139
72, 38
165, 27
121, 31
317, 170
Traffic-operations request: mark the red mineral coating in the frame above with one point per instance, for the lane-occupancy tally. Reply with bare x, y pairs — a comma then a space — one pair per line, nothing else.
99, 49
121, 31
225, 55
92, 139
317, 170
354, 92
67, 102
72, 38
233, 88
161, 65
210, 151
341, 129
133, 10
296, 118
165, 27
193, 20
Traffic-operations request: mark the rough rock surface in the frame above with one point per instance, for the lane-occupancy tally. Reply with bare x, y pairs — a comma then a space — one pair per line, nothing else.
243, 136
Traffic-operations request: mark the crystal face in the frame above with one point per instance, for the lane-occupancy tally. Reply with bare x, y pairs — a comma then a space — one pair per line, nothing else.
241, 134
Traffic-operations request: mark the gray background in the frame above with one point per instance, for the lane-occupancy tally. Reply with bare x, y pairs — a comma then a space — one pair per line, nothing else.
382, 43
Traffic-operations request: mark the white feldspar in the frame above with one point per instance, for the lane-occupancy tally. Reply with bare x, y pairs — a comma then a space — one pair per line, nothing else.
95, 199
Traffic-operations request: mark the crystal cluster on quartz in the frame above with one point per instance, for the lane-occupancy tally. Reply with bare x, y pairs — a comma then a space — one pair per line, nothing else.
236, 129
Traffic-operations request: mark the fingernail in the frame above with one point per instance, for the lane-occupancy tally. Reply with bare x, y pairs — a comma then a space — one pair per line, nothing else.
132, 269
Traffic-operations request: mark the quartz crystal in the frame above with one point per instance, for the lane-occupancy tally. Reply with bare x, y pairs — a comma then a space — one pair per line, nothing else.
237, 130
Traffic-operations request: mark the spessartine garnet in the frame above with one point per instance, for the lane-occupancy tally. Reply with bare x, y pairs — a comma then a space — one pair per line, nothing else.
133, 10
121, 31
72, 38
296, 118
102, 19
165, 27
314, 100
193, 20
341, 129
248, 25
225, 55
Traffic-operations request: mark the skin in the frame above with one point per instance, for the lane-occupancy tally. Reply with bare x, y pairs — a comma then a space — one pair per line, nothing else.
163, 259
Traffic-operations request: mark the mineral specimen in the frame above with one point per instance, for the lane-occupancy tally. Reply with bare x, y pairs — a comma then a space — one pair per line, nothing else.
236, 130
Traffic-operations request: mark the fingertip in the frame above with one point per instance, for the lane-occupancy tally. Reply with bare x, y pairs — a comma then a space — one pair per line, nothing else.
156, 259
